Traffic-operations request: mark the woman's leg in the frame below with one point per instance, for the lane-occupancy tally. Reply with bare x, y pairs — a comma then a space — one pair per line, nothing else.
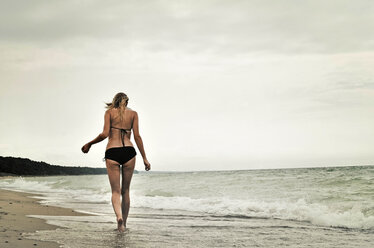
127, 171
114, 179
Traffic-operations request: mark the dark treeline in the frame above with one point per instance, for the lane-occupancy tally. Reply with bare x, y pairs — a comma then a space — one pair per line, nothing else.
27, 167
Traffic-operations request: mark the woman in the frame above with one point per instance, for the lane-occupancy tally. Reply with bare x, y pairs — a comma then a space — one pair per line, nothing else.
118, 122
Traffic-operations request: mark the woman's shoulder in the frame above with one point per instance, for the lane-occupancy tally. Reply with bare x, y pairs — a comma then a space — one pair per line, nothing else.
114, 111
108, 111
131, 110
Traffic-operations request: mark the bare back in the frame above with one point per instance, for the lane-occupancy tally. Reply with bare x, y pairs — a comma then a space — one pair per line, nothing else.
114, 139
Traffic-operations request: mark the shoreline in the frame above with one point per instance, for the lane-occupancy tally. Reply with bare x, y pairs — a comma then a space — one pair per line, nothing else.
14, 221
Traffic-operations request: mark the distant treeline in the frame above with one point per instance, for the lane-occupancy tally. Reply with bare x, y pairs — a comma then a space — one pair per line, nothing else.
27, 167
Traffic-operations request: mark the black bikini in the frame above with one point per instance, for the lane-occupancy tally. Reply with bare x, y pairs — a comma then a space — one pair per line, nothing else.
121, 154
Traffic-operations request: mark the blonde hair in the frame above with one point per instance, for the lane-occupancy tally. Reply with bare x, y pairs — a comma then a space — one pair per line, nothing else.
120, 101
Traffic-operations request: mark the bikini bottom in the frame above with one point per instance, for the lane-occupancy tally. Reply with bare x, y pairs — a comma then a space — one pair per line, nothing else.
120, 154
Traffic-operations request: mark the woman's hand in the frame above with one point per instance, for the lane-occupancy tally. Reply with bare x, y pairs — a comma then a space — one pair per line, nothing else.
147, 164
86, 148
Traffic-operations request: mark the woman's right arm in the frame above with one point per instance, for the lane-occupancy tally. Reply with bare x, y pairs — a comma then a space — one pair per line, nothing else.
102, 136
139, 142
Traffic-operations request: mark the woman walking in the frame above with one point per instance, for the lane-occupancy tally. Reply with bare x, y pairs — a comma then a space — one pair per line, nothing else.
119, 120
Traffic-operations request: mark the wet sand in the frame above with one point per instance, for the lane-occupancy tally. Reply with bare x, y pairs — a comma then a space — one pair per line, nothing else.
14, 208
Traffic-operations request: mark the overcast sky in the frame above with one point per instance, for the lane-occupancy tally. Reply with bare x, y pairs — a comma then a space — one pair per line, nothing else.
217, 84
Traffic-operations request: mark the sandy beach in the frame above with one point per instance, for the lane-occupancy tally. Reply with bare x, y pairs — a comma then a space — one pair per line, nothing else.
14, 208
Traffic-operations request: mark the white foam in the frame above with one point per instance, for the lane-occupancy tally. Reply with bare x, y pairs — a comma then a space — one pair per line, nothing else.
300, 210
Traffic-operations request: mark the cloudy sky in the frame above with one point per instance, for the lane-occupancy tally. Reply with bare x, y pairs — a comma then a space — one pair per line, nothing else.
217, 84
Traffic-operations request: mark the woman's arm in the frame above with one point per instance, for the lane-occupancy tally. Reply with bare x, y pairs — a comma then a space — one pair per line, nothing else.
102, 136
139, 142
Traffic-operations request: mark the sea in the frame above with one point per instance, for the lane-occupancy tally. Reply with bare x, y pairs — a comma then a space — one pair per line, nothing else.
309, 207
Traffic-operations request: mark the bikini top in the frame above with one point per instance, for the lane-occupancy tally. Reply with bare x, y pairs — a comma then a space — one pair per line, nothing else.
123, 133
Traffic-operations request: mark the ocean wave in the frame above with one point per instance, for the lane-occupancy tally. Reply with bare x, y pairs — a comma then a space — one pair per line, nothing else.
353, 211
58, 190
300, 210
20, 184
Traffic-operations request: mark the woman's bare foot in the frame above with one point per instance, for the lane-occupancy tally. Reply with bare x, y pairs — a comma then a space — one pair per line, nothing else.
120, 225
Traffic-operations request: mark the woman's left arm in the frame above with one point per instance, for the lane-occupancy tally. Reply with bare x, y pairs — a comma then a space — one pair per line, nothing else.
102, 136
